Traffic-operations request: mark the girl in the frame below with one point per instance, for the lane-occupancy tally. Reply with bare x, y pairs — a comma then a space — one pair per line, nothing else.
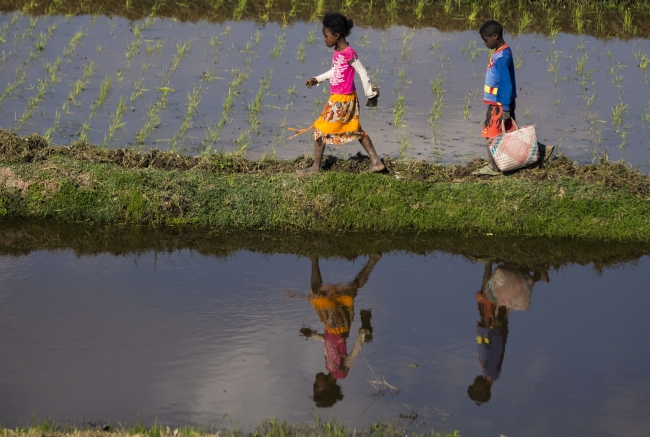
339, 122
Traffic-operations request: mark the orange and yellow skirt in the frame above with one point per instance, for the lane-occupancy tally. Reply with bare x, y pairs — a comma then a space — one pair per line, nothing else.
339, 121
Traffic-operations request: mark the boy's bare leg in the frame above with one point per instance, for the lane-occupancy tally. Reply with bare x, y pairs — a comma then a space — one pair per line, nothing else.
319, 148
491, 163
377, 165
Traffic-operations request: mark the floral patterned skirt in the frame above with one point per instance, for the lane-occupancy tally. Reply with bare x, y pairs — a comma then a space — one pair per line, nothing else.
339, 121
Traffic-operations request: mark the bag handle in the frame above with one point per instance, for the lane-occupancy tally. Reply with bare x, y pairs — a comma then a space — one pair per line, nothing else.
503, 125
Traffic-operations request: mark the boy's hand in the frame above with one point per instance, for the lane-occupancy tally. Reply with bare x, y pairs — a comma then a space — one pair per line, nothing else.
505, 115
311, 82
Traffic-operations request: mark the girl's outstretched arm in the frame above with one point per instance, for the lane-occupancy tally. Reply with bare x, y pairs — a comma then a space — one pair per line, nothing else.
365, 80
325, 76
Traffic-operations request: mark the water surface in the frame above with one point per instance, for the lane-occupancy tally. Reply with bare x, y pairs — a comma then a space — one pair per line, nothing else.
212, 335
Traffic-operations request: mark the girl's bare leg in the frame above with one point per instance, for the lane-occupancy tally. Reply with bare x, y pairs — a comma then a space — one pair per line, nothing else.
319, 148
377, 165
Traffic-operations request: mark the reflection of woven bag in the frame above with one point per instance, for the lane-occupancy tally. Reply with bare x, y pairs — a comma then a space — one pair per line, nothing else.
511, 288
514, 149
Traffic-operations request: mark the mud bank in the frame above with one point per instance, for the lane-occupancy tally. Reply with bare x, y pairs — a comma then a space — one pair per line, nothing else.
605, 201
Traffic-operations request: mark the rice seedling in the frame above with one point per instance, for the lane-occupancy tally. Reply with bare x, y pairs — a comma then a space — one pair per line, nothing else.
365, 40
407, 45
268, 5
311, 36
470, 52
419, 9
473, 14
52, 69
623, 136
84, 132
618, 81
153, 120
212, 135
137, 90
398, 111
525, 20
552, 60
193, 100
300, 54
404, 146
467, 106
578, 18
582, 60
618, 111
646, 114
75, 40
242, 142
55, 127
627, 20
439, 93
392, 8
292, 91
553, 28
18, 80
280, 42
116, 122
32, 103
182, 49
255, 106
448, 6
104, 90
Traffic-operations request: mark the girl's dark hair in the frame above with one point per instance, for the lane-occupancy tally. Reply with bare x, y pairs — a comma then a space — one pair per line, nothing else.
337, 23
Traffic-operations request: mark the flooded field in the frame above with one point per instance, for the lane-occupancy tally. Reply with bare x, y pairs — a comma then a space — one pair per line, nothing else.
223, 330
236, 86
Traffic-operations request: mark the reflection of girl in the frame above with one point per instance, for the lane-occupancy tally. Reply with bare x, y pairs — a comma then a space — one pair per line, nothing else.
334, 304
507, 288
339, 122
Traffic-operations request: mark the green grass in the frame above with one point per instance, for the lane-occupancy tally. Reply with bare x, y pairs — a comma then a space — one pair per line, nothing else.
608, 201
268, 428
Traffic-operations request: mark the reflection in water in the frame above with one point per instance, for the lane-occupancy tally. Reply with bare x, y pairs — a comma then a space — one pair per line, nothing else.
334, 304
506, 289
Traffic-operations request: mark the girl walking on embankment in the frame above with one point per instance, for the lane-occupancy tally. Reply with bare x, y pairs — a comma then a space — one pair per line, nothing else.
339, 122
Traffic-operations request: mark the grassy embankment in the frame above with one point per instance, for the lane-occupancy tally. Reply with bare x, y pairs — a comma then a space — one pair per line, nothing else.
607, 201
269, 428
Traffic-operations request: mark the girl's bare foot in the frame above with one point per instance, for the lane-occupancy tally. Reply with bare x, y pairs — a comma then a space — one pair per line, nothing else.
309, 171
377, 167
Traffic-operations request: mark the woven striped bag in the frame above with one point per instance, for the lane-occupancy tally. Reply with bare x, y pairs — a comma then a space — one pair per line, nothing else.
514, 149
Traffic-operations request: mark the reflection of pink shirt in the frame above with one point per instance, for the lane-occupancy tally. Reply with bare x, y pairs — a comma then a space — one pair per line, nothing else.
335, 352
342, 78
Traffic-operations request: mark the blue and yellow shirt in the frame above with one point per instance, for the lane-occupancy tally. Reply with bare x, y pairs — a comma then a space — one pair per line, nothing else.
500, 86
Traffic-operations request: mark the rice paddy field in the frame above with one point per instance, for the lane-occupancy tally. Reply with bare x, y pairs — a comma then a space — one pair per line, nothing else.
229, 76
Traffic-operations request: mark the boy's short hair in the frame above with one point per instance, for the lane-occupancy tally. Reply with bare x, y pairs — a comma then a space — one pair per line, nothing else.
490, 28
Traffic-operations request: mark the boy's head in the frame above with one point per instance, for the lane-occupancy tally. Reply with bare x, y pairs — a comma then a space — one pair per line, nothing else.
479, 391
492, 34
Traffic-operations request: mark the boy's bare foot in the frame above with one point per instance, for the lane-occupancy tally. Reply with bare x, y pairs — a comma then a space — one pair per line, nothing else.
309, 171
377, 167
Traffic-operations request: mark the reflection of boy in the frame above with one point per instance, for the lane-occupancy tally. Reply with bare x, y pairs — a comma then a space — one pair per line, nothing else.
500, 88
503, 290
334, 304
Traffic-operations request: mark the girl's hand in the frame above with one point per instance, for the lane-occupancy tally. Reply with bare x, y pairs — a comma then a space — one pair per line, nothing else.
311, 82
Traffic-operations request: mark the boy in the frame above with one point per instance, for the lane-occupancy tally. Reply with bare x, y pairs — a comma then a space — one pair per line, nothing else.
500, 89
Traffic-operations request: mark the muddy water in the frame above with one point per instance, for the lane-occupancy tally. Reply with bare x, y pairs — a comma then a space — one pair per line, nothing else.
184, 336
174, 79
